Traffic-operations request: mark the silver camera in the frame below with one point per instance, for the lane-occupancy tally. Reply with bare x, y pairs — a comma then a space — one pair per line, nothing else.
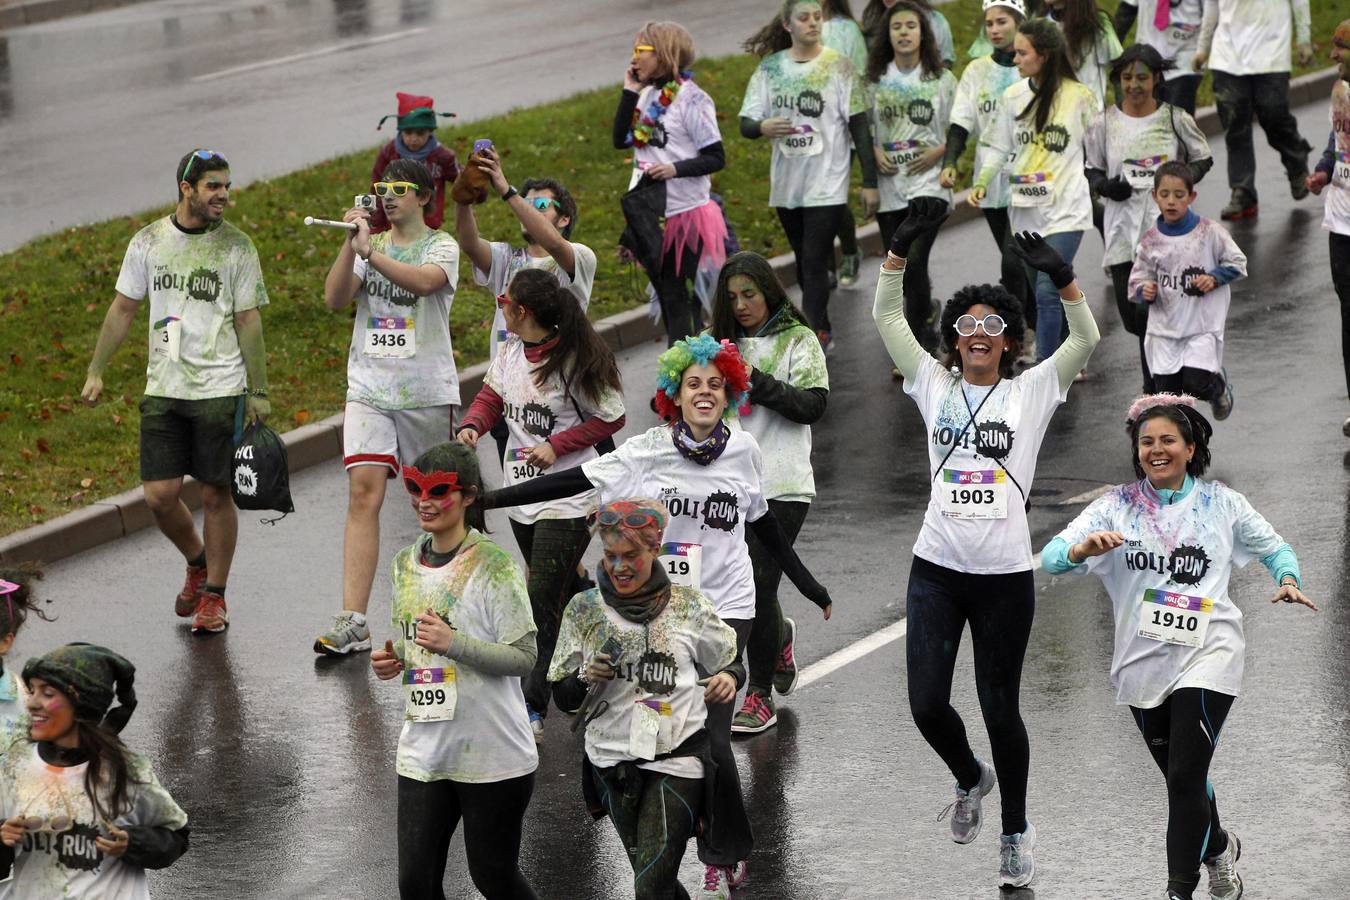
364, 201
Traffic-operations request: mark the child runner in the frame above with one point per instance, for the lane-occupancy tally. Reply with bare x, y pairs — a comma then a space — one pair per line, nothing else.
641, 644
416, 139
465, 640
710, 477
942, 29
1182, 269
1334, 169
1036, 143
1165, 547
84, 816
670, 125
972, 560
16, 602
789, 387
402, 385
1172, 27
1090, 39
842, 34
557, 386
808, 99
1124, 147
912, 95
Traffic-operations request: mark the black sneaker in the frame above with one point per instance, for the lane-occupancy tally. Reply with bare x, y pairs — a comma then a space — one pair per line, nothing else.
1223, 407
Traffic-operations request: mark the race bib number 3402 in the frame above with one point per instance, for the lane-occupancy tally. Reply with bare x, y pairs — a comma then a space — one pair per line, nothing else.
518, 462
1174, 618
390, 337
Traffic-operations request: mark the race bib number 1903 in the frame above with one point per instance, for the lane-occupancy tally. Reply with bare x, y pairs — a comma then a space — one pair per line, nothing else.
973, 495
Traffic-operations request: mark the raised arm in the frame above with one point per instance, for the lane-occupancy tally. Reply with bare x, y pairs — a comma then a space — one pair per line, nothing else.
925, 215
1073, 354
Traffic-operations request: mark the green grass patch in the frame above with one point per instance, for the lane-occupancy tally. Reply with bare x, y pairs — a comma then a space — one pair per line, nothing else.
56, 454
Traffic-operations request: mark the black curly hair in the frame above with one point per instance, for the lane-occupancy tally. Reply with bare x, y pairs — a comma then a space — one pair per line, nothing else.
1191, 424
1003, 303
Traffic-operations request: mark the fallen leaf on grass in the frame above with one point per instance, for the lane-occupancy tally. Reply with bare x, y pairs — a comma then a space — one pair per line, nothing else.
26, 454
64, 407
301, 416
15, 359
77, 497
86, 482
35, 510
117, 420
43, 446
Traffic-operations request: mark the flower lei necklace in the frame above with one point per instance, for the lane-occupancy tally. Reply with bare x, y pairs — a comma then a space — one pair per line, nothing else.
645, 123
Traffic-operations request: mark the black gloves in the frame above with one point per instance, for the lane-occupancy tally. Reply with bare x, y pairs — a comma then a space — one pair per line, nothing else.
926, 214
1116, 188
1036, 253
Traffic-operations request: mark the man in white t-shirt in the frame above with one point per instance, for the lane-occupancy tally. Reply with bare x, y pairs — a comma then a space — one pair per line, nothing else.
547, 215
402, 386
1246, 45
205, 287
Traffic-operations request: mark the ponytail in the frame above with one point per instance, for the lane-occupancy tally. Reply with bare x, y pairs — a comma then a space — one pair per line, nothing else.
581, 357
773, 37
108, 766
17, 603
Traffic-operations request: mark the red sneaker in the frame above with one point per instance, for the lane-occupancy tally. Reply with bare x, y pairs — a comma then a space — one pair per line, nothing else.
211, 614
186, 601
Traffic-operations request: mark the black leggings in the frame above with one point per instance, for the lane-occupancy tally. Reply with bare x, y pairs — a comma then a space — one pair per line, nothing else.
918, 287
429, 811
681, 313
552, 548
766, 631
1182, 734
1199, 383
655, 815
811, 230
1012, 273
719, 730
1134, 316
1340, 277
999, 609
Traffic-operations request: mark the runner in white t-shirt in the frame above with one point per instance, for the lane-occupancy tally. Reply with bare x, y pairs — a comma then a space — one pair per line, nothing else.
465, 640
1089, 38
789, 387
629, 660
1123, 149
710, 477
972, 560
912, 97
809, 100
669, 125
402, 385
1165, 548
1037, 147
1172, 27
1334, 169
555, 384
206, 371
842, 33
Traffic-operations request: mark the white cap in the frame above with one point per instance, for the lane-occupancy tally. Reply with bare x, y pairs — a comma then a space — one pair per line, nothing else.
1016, 6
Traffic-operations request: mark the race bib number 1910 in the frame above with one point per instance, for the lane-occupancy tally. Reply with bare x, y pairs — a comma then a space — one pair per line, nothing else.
1139, 172
1174, 618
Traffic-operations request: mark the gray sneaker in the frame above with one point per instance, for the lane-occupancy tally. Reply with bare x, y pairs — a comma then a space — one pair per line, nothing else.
1224, 881
1016, 867
1223, 407
344, 637
965, 809
785, 673
849, 264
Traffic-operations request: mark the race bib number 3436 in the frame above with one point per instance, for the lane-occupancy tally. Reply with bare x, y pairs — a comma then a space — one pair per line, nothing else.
390, 337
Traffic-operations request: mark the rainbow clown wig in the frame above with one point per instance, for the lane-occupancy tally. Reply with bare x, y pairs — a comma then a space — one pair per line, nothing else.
701, 351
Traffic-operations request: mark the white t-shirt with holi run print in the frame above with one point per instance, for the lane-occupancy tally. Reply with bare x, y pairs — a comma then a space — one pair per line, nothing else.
1337, 216
978, 95
400, 357
910, 115
69, 864
196, 283
810, 167
1179, 39
688, 125
793, 356
654, 702
1176, 626
981, 475
508, 260
532, 415
709, 507
1185, 325
1134, 148
461, 724
1044, 170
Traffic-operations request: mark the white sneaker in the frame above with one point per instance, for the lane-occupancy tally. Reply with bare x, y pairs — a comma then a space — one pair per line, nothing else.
344, 637
965, 809
716, 885
1016, 867
1224, 881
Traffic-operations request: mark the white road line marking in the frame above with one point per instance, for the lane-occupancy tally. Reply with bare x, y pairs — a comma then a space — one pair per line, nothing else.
308, 54
853, 652
1086, 496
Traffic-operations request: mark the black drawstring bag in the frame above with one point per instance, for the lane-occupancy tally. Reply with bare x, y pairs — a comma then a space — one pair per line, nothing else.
261, 474
643, 208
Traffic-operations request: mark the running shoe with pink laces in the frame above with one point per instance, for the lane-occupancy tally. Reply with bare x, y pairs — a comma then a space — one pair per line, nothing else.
785, 669
186, 601
720, 881
211, 615
757, 714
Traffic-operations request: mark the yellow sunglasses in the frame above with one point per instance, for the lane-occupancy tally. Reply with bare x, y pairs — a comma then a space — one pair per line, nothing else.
397, 188
641, 48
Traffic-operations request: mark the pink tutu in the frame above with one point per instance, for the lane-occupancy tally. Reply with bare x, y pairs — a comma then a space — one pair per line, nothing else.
702, 228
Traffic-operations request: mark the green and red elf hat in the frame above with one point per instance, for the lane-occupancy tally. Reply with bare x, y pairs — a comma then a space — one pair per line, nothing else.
414, 112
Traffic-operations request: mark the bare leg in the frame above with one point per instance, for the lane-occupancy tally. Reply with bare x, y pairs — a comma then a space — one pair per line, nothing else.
172, 516
220, 526
361, 543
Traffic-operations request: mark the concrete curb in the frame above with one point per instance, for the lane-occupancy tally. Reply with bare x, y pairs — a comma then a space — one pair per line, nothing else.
318, 442
31, 12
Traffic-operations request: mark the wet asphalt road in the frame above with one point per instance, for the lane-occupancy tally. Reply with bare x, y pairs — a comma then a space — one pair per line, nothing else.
285, 763
279, 84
